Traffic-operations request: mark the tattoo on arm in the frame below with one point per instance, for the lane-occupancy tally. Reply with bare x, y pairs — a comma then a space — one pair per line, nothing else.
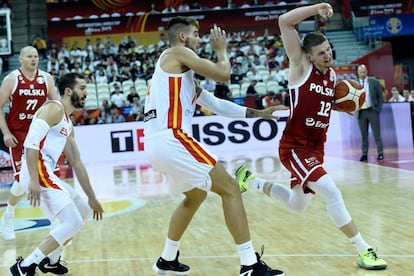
252, 113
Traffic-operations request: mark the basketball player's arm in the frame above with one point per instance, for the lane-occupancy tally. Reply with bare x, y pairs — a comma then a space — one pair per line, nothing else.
71, 152
5, 91
291, 39
51, 88
229, 109
45, 117
219, 70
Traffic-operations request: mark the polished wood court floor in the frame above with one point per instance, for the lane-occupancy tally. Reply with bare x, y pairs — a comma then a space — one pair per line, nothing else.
380, 199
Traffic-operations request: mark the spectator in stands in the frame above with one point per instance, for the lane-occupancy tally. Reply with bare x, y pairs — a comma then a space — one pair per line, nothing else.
87, 65
76, 68
114, 116
279, 56
153, 9
132, 93
169, 9
236, 74
396, 96
163, 42
254, 75
105, 111
52, 63
209, 85
100, 75
41, 46
183, 7
63, 54
113, 75
62, 70
222, 91
76, 54
277, 75
117, 96
53, 51
251, 90
196, 6
86, 119
407, 96
125, 73
137, 72
136, 111
88, 75
230, 4
270, 100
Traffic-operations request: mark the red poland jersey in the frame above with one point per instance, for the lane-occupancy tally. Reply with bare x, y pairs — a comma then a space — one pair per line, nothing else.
310, 108
26, 98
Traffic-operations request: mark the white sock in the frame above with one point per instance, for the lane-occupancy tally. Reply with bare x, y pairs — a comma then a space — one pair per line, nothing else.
257, 183
246, 253
34, 258
359, 243
170, 249
55, 255
10, 208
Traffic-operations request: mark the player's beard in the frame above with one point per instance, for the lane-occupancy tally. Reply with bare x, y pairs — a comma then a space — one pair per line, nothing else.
188, 45
76, 101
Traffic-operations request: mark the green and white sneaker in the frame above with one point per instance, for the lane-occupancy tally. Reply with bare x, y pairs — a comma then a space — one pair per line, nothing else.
243, 177
369, 260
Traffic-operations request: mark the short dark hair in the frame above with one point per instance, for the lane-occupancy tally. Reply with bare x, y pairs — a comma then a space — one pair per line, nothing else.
313, 39
186, 21
68, 80
180, 24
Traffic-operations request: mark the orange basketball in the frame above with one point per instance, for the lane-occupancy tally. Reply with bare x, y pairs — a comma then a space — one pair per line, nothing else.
349, 96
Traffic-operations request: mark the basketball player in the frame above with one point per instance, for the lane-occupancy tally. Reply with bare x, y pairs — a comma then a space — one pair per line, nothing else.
191, 169
50, 134
301, 149
27, 88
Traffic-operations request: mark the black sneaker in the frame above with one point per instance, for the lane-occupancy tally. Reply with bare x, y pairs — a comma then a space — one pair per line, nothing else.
259, 269
58, 268
18, 270
174, 267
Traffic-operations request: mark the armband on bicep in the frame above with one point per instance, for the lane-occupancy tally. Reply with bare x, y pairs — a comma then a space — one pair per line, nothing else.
37, 131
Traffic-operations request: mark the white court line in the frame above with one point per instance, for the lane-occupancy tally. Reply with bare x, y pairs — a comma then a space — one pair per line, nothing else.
398, 256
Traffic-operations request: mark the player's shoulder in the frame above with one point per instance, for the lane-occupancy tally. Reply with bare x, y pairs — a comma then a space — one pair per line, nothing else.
11, 77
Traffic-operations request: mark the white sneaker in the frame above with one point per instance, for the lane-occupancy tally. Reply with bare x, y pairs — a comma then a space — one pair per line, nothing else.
7, 226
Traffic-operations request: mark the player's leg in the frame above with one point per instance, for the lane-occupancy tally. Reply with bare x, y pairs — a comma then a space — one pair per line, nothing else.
52, 262
236, 220
337, 211
7, 219
16, 192
181, 218
54, 203
294, 199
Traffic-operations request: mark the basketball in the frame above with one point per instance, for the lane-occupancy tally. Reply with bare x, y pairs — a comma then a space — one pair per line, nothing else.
349, 96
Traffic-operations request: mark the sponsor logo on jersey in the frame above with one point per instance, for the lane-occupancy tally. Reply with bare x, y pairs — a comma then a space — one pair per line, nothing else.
40, 80
310, 122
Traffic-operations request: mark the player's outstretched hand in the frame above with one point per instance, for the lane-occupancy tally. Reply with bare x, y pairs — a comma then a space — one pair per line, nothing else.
268, 112
218, 38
